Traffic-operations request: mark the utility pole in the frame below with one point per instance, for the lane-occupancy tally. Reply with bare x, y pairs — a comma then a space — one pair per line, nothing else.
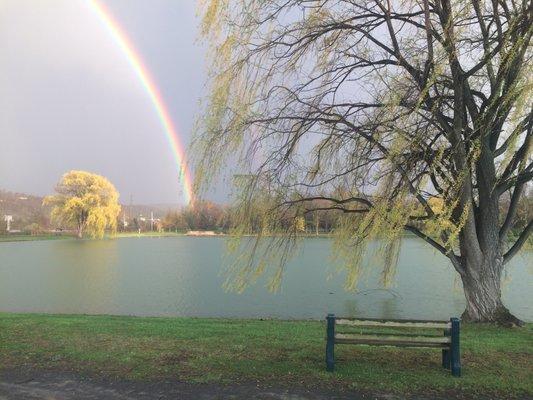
151, 221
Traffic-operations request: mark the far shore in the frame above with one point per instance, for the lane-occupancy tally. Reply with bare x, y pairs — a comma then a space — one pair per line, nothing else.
210, 234
69, 236
31, 238
120, 235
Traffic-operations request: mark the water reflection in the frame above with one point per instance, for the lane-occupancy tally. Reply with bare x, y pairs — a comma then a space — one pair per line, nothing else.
376, 303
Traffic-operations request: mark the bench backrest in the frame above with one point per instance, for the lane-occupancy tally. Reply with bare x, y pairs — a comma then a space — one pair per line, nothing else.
409, 338
393, 323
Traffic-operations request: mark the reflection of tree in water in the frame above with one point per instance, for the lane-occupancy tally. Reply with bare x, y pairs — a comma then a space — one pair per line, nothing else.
96, 273
386, 306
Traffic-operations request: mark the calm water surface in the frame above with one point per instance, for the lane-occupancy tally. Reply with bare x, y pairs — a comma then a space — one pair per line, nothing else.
180, 276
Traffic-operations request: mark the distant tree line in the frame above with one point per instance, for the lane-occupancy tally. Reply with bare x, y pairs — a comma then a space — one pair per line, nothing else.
210, 216
204, 215
31, 218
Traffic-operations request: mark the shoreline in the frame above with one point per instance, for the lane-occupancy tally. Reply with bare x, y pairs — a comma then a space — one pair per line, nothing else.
196, 234
121, 235
33, 238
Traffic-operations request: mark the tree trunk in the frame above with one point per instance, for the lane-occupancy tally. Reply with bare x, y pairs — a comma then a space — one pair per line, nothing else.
482, 288
82, 219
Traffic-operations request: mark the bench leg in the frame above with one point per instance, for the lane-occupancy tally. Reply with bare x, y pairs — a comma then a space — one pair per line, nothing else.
446, 359
446, 353
455, 357
330, 343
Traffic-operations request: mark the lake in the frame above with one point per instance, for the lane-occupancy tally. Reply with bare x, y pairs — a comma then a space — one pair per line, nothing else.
181, 276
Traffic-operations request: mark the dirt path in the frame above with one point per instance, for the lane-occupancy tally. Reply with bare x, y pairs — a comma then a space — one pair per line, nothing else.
51, 385
24, 385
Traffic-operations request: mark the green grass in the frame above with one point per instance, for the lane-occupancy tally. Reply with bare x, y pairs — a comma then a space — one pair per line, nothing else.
31, 238
147, 234
496, 361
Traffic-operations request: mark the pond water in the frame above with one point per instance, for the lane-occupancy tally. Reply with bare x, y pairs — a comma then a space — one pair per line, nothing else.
180, 276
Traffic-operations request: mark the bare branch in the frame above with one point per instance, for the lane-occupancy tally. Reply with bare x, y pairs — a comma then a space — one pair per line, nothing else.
519, 242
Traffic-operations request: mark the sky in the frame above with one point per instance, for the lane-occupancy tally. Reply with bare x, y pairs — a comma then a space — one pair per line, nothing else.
69, 98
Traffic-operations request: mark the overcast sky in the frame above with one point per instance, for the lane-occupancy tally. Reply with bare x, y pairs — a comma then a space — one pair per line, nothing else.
69, 99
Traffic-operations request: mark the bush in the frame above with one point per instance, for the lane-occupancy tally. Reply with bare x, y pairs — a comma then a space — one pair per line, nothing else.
34, 229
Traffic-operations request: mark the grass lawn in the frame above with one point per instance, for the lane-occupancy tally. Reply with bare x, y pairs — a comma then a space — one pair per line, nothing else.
146, 234
30, 238
496, 361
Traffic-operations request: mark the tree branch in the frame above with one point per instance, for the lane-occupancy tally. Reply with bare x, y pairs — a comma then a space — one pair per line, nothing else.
511, 212
448, 253
519, 243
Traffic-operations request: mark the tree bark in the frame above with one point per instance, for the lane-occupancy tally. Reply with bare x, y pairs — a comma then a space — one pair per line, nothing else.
482, 288
79, 233
81, 223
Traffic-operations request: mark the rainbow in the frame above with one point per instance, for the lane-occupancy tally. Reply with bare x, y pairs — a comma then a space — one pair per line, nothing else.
143, 74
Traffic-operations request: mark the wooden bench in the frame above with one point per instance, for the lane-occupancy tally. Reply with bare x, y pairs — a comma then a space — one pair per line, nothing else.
448, 341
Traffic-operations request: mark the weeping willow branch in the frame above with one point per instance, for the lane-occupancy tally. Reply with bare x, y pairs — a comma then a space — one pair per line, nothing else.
410, 115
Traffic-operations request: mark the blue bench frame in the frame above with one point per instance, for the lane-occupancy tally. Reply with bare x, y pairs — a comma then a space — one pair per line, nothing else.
451, 358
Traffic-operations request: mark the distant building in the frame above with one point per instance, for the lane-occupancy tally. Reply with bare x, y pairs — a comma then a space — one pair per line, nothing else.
201, 233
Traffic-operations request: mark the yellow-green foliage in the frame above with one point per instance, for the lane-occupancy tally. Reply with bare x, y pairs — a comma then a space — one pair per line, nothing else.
305, 105
85, 201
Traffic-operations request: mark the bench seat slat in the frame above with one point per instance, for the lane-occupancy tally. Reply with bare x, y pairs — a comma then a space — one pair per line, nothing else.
393, 324
394, 320
392, 333
393, 338
394, 344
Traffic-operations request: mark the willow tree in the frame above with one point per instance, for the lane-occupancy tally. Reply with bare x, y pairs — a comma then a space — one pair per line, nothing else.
85, 201
401, 115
